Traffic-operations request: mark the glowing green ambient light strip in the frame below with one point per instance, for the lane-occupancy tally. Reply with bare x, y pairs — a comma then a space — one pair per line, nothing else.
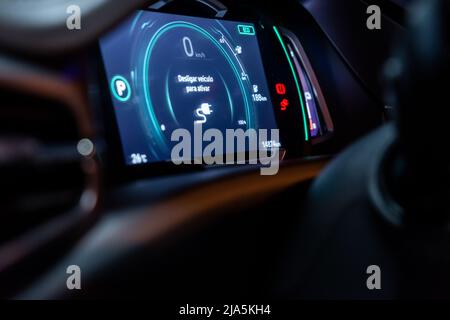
297, 84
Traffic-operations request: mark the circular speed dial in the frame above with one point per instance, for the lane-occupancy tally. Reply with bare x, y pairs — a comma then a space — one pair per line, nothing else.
193, 76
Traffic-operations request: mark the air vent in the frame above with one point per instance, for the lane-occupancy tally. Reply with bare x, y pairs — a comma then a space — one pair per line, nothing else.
44, 179
39, 165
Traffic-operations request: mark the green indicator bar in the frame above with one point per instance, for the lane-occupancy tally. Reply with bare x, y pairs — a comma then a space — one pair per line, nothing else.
246, 30
297, 84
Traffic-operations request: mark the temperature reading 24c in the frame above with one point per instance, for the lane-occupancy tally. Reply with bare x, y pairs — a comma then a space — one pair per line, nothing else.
138, 158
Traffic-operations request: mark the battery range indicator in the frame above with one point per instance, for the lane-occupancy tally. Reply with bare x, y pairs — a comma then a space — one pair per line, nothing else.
247, 30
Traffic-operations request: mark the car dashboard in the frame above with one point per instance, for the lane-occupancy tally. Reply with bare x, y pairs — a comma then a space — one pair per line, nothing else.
91, 132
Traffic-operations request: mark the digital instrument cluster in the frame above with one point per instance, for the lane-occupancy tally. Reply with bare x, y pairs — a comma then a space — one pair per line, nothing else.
167, 72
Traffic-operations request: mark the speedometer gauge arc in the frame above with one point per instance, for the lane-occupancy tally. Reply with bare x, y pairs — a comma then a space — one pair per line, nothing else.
188, 71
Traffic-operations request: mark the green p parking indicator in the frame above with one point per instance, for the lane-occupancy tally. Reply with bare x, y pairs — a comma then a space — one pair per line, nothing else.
121, 88
247, 30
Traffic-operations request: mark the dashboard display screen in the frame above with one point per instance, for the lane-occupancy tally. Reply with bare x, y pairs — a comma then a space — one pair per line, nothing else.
167, 72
